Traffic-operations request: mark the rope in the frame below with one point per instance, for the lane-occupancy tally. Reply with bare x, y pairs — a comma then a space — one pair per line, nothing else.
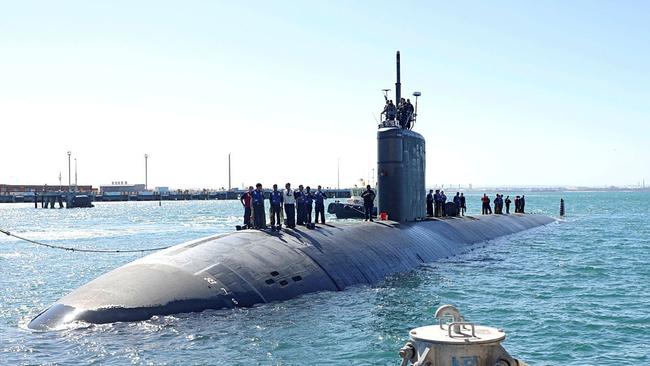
85, 250
355, 209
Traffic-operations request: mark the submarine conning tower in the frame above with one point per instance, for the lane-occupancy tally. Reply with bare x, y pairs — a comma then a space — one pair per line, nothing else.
401, 164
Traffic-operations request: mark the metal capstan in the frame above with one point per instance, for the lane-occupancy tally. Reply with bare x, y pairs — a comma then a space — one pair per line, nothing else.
456, 342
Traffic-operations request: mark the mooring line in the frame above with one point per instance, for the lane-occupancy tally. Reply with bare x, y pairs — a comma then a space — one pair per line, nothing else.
85, 250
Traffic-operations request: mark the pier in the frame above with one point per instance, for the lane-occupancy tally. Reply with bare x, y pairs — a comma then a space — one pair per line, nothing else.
54, 199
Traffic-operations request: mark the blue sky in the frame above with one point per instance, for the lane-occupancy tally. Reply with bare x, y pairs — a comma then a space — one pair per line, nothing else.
516, 93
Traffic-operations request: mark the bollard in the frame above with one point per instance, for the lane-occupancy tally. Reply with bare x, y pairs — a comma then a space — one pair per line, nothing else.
561, 206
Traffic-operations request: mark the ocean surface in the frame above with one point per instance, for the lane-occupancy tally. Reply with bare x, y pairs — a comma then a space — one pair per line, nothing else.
573, 292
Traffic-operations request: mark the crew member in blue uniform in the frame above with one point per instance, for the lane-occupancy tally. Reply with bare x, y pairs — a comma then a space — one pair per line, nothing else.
368, 202
436, 204
309, 200
300, 204
522, 203
275, 200
319, 198
289, 206
259, 218
430, 203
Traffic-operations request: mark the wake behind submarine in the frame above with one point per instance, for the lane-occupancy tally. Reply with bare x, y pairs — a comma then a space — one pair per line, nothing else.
248, 267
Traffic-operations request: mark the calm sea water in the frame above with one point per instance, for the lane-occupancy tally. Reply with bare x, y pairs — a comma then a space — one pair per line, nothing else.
576, 291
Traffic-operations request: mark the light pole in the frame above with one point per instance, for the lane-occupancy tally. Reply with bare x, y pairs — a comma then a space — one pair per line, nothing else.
69, 172
338, 173
146, 156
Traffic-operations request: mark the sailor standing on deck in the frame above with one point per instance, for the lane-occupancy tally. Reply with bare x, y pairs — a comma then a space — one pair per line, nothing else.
246, 202
522, 203
319, 198
275, 200
259, 219
309, 200
289, 206
517, 204
300, 204
485, 204
508, 201
436, 202
457, 203
443, 203
368, 202
463, 207
430, 203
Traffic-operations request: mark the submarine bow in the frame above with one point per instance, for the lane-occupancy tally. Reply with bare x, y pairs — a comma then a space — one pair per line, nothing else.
250, 267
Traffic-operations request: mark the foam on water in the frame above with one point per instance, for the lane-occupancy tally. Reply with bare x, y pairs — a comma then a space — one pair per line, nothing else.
572, 292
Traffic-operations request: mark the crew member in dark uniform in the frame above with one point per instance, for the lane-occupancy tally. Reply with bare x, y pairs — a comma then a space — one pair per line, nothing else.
246, 202
402, 113
457, 203
309, 200
430, 203
443, 202
259, 218
390, 110
462, 205
275, 200
368, 202
289, 206
319, 198
522, 203
517, 204
300, 204
507, 202
409, 114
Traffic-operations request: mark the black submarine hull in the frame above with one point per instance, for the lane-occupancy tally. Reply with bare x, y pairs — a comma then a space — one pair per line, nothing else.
249, 267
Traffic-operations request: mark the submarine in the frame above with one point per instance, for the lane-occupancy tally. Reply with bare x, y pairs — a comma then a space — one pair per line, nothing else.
249, 267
